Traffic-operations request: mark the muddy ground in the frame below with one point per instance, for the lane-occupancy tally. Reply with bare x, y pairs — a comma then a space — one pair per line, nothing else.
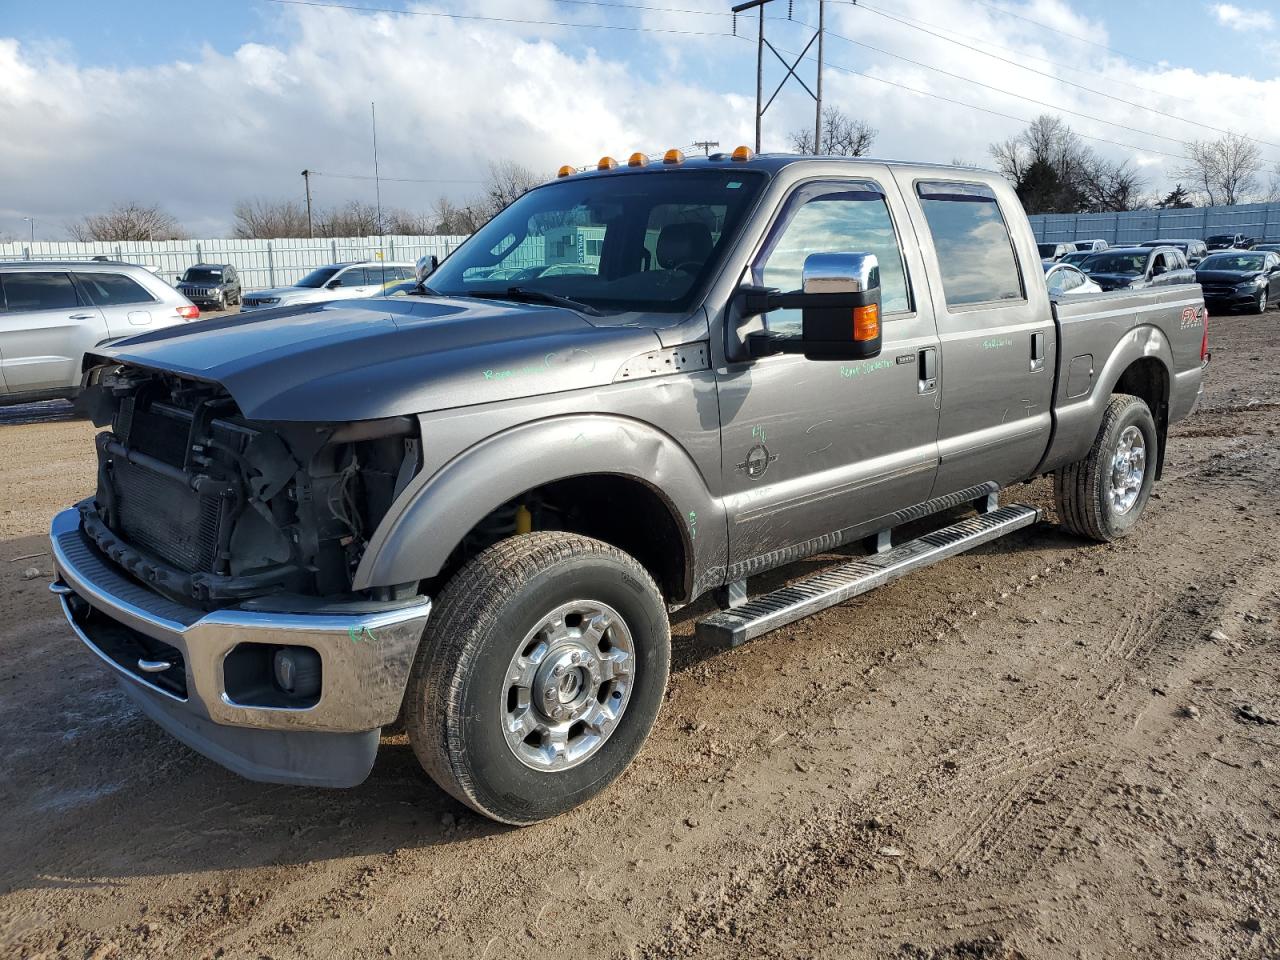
1042, 749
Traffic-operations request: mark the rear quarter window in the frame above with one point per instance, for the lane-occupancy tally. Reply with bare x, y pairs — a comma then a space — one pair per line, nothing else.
972, 241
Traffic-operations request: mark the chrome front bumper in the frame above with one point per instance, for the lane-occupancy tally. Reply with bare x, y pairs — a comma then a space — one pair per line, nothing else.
366, 651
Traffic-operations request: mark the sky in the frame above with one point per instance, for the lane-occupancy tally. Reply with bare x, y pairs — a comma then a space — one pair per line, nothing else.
196, 106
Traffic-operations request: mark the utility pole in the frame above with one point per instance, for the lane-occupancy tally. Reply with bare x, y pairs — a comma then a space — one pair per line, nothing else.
761, 43
32, 221
706, 145
306, 178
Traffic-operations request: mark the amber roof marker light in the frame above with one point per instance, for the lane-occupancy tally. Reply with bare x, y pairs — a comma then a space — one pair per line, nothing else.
565, 171
673, 156
742, 154
607, 163
637, 159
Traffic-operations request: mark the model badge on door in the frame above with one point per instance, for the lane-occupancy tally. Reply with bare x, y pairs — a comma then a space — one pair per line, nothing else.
757, 462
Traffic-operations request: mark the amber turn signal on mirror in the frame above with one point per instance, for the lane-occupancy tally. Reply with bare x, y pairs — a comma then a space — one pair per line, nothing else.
866, 322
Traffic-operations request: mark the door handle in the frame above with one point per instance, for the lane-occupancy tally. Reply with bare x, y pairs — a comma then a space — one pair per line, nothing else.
1037, 352
80, 316
927, 363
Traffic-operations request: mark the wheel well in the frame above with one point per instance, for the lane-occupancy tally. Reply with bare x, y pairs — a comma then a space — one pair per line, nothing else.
618, 510
1147, 378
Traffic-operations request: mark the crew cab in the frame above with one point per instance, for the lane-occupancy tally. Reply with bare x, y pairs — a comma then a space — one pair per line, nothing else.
473, 509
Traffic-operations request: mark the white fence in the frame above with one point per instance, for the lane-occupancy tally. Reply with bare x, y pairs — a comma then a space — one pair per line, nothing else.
262, 263
1260, 220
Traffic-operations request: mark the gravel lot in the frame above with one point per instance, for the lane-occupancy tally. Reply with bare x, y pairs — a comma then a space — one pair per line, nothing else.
1041, 749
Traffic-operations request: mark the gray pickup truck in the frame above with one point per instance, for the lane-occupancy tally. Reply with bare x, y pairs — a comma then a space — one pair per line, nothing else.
474, 509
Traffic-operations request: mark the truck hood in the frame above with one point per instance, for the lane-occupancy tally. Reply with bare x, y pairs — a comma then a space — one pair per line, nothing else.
365, 359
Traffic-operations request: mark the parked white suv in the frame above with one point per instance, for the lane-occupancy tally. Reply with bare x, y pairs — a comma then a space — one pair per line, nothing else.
52, 312
338, 281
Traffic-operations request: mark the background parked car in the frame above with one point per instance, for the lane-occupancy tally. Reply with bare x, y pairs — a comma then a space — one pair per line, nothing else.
1138, 267
1064, 280
1268, 247
1092, 246
52, 312
1075, 259
1194, 250
214, 286
1051, 252
338, 281
1225, 241
1240, 279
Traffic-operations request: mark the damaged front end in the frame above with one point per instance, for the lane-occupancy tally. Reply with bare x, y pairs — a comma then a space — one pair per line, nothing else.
212, 509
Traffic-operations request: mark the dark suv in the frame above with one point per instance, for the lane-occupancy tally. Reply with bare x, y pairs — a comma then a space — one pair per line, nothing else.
214, 286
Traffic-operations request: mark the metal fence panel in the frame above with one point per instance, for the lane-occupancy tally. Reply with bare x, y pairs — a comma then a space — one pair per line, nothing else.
262, 263
1261, 220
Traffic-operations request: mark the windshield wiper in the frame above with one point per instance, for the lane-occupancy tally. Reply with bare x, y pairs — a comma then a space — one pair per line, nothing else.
530, 295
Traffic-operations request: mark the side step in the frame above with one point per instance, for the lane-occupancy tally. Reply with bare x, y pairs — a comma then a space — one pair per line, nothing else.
826, 589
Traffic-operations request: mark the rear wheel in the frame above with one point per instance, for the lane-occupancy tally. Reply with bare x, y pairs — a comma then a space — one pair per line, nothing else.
540, 675
1103, 495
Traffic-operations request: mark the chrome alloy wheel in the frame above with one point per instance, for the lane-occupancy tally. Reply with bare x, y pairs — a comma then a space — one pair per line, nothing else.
568, 685
1128, 467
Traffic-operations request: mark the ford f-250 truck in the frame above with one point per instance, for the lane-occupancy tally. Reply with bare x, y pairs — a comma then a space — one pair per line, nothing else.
475, 508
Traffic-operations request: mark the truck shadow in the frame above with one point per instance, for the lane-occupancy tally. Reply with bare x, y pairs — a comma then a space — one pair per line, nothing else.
95, 794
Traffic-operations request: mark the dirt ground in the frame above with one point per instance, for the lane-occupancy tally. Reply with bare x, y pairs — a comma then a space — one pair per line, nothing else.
1041, 749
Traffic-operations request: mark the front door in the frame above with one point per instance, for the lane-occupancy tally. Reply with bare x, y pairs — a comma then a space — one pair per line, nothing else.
997, 336
814, 450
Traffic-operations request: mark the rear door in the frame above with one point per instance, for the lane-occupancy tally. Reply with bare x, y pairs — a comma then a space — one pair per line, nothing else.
995, 330
127, 306
45, 329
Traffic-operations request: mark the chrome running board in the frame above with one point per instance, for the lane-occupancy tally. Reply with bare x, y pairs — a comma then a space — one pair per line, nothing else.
848, 580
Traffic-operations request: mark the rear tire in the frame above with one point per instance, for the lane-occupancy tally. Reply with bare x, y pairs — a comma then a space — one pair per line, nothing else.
1102, 496
505, 651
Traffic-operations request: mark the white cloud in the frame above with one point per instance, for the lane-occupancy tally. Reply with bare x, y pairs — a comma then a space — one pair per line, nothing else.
198, 135
1244, 20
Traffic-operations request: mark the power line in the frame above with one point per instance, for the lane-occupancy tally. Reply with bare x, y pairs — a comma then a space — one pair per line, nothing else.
358, 176
994, 113
1007, 93
329, 4
1069, 83
1044, 26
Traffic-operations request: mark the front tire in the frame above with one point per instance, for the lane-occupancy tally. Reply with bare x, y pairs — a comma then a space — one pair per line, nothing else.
540, 675
1261, 305
1102, 496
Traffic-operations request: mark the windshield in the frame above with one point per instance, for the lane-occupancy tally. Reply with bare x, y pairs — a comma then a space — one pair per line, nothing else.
1246, 264
317, 278
644, 241
1221, 238
1126, 263
1077, 258
1047, 250
202, 275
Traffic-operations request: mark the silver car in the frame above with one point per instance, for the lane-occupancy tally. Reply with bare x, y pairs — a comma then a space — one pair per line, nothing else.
51, 312
338, 281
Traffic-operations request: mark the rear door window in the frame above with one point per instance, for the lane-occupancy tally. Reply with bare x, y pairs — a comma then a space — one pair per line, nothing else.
44, 290
974, 248
113, 289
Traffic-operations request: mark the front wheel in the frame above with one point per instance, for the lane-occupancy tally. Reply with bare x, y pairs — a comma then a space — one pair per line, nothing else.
1103, 495
1261, 305
540, 675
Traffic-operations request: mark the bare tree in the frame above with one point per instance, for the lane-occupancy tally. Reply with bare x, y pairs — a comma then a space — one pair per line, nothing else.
355, 218
260, 219
842, 136
1109, 186
1048, 165
1225, 170
507, 182
127, 221
450, 218
1273, 187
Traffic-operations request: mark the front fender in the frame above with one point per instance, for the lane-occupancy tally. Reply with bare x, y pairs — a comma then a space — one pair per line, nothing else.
416, 538
1076, 419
